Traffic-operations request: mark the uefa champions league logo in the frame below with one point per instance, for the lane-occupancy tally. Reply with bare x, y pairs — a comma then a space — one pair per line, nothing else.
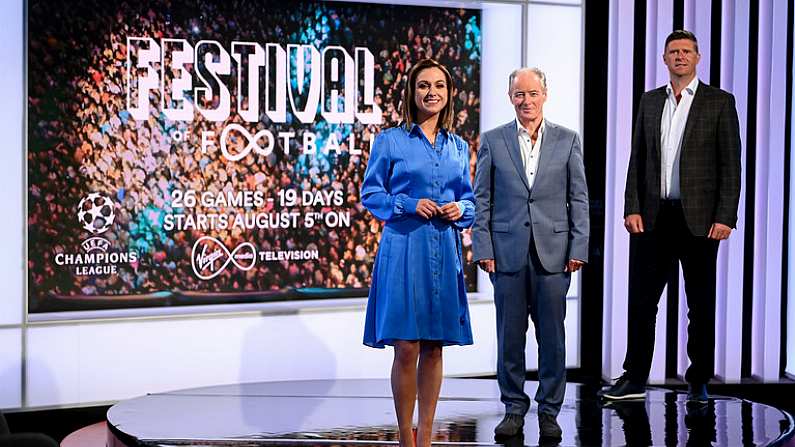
95, 213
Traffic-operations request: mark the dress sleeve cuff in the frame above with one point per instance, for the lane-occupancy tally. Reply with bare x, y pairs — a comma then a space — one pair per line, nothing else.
405, 204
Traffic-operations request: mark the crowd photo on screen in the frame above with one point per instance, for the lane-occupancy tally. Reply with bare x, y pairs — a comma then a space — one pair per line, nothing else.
82, 139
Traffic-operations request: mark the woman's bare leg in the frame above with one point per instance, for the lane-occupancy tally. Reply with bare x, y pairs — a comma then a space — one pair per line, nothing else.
429, 380
404, 387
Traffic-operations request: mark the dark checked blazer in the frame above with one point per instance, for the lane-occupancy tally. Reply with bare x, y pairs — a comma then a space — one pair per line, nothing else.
709, 164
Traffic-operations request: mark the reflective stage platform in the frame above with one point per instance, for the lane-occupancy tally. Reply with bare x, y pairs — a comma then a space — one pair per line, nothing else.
361, 412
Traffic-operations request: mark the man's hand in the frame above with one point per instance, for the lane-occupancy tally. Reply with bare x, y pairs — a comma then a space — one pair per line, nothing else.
573, 265
487, 265
719, 232
633, 223
450, 212
427, 208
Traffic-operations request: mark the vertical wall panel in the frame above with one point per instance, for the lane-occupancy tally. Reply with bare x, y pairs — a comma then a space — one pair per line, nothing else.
11, 199
502, 53
652, 53
619, 129
729, 309
11, 163
52, 365
10, 368
665, 24
698, 19
769, 201
560, 57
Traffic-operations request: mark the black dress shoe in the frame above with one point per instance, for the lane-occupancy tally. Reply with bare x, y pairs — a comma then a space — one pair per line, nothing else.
511, 425
623, 389
548, 427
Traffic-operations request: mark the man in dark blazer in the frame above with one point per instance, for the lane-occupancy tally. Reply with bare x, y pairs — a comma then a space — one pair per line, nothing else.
530, 233
682, 193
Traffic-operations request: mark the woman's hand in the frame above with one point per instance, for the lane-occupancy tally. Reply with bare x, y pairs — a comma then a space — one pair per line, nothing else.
451, 211
427, 208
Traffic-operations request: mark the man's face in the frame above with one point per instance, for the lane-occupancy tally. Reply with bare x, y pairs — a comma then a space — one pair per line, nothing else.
681, 58
528, 96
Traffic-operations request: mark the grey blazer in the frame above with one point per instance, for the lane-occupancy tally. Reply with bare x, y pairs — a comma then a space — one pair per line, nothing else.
556, 209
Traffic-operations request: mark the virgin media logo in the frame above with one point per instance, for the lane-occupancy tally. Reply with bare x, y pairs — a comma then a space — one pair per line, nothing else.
210, 257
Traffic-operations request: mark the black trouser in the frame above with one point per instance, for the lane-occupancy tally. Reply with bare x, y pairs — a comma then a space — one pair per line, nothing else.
652, 254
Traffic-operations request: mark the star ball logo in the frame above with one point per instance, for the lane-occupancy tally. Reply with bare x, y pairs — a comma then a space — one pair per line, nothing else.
95, 214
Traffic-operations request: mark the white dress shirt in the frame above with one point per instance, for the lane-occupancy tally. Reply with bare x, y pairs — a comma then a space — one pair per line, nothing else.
530, 151
672, 128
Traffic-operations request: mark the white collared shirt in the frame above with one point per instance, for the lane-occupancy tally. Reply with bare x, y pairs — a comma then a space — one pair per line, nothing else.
672, 128
530, 152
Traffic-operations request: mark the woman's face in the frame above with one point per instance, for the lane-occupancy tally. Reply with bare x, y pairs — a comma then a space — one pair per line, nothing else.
430, 93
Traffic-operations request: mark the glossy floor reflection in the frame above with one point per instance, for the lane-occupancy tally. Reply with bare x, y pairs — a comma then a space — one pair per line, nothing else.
360, 412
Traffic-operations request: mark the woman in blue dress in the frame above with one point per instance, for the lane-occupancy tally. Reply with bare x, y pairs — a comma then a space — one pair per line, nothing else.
417, 181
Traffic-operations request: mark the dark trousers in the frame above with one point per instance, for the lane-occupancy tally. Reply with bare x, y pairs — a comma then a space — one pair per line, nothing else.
652, 255
540, 295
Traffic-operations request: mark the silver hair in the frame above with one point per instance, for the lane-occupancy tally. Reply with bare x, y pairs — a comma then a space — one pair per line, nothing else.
541, 76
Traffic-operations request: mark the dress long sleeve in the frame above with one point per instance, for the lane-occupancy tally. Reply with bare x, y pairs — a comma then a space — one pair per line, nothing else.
467, 198
376, 192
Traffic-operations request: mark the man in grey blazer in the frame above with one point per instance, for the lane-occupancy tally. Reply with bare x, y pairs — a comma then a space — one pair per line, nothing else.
530, 233
681, 199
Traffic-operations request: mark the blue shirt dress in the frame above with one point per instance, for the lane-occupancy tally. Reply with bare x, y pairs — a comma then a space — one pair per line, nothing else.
417, 290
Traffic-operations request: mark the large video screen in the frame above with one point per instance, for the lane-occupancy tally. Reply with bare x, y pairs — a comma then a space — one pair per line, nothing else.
212, 151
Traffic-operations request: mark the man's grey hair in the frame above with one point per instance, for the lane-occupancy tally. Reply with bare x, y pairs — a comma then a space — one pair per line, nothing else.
541, 76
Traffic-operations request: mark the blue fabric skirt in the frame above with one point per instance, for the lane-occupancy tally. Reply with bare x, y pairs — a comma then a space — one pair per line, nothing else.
418, 290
